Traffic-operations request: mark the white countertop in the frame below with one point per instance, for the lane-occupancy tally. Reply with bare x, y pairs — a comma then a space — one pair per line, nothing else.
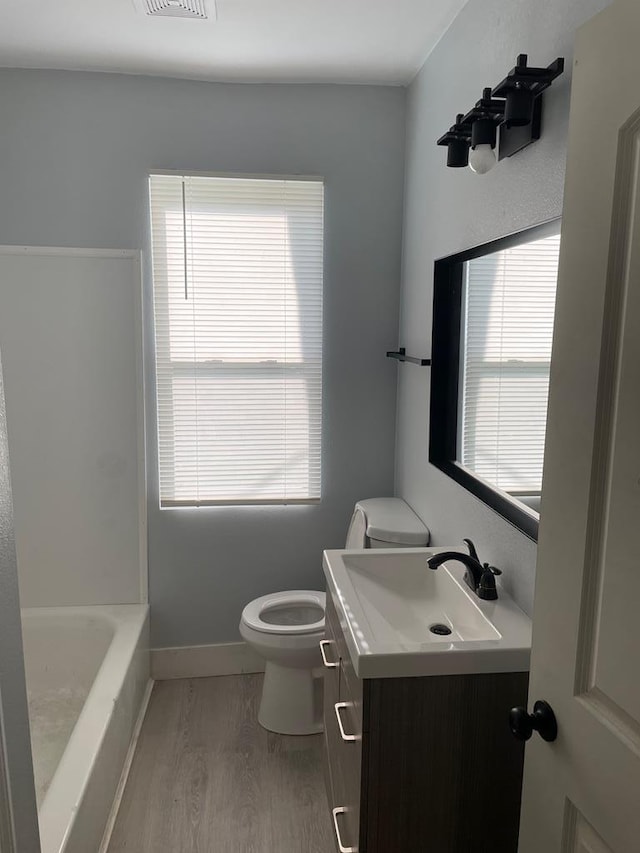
387, 600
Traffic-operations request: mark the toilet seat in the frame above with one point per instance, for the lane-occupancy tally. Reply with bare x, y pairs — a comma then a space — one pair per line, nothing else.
252, 615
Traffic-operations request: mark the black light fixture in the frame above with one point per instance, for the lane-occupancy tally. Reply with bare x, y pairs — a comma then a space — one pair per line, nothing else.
518, 111
508, 116
522, 86
457, 141
483, 120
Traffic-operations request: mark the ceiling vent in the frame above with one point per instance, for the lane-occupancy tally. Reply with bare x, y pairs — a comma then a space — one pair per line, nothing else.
195, 9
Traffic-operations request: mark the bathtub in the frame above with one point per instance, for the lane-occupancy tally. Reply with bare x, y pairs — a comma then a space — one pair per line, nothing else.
87, 672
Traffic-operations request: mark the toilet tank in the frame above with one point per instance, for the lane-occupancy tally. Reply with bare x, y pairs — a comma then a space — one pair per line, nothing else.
386, 523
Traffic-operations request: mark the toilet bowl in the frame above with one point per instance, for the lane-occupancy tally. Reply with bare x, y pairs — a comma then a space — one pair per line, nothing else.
285, 628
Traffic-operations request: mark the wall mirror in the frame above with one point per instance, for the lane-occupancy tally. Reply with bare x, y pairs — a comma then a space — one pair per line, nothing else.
493, 316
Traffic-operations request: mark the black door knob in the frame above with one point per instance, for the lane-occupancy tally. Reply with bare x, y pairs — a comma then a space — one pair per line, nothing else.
543, 721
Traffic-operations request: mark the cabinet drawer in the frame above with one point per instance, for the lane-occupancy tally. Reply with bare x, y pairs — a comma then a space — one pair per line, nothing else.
332, 776
331, 663
343, 731
330, 646
344, 758
352, 691
332, 623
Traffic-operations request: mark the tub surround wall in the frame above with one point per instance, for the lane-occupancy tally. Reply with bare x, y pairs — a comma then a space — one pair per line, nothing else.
72, 358
75, 152
448, 210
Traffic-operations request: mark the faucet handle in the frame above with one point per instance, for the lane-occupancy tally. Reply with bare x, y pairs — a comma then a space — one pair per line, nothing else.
487, 586
472, 549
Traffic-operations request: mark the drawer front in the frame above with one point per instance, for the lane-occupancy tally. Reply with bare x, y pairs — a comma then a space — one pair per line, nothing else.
331, 695
351, 692
332, 624
349, 721
332, 775
343, 732
331, 670
331, 663
344, 770
350, 689
350, 684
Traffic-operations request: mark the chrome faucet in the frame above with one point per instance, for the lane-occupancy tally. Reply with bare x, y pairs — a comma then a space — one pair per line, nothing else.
480, 577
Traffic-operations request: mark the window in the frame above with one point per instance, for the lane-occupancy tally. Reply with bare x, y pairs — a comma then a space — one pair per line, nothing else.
493, 327
238, 273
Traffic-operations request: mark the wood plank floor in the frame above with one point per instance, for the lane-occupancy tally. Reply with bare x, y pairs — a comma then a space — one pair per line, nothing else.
206, 778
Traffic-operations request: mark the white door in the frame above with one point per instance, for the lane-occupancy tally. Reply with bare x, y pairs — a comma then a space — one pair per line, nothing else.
582, 791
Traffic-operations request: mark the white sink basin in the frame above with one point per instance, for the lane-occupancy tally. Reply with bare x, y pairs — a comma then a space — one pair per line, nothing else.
389, 600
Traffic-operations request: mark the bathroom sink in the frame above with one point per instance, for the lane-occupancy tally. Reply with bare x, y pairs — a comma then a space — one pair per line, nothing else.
401, 618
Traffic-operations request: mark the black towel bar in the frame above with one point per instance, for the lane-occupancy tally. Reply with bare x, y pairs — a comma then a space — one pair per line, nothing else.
401, 355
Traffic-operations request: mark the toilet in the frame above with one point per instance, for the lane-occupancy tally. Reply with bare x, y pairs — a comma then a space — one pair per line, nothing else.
285, 628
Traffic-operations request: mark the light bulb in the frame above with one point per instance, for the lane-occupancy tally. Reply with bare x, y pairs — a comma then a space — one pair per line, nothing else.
482, 159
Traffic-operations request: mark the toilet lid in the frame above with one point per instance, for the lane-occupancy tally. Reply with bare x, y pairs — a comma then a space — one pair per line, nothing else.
295, 612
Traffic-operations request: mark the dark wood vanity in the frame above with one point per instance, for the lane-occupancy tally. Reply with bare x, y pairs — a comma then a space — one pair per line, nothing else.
420, 765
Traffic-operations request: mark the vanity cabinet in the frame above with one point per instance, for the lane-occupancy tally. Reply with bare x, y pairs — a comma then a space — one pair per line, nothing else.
415, 765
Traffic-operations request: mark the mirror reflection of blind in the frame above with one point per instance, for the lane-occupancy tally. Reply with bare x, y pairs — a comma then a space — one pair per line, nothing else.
509, 306
238, 276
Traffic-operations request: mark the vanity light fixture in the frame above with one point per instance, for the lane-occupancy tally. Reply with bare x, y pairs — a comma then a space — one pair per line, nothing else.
483, 120
457, 140
507, 117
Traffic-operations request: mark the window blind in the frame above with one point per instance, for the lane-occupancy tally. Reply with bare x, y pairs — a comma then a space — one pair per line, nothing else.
509, 306
238, 275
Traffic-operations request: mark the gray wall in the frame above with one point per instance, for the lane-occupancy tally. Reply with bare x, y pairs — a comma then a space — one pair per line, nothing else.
447, 210
75, 149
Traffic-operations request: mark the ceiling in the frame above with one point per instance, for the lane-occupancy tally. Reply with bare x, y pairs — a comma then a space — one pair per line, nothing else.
341, 41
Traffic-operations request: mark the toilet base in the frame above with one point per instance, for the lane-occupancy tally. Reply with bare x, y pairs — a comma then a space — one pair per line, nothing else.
291, 701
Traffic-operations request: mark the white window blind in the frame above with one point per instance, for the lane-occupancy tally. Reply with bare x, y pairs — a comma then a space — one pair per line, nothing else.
509, 309
238, 274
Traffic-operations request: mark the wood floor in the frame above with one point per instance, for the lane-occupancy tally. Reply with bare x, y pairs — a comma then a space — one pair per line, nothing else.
206, 778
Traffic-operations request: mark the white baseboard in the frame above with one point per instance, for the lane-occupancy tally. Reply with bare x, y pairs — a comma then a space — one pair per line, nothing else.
204, 661
113, 814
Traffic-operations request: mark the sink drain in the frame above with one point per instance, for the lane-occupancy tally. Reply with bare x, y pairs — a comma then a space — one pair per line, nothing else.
440, 630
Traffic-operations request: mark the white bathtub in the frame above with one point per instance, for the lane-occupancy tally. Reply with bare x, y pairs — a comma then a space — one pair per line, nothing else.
87, 674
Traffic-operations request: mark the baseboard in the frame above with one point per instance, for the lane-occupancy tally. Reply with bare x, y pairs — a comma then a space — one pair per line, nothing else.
204, 661
113, 814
